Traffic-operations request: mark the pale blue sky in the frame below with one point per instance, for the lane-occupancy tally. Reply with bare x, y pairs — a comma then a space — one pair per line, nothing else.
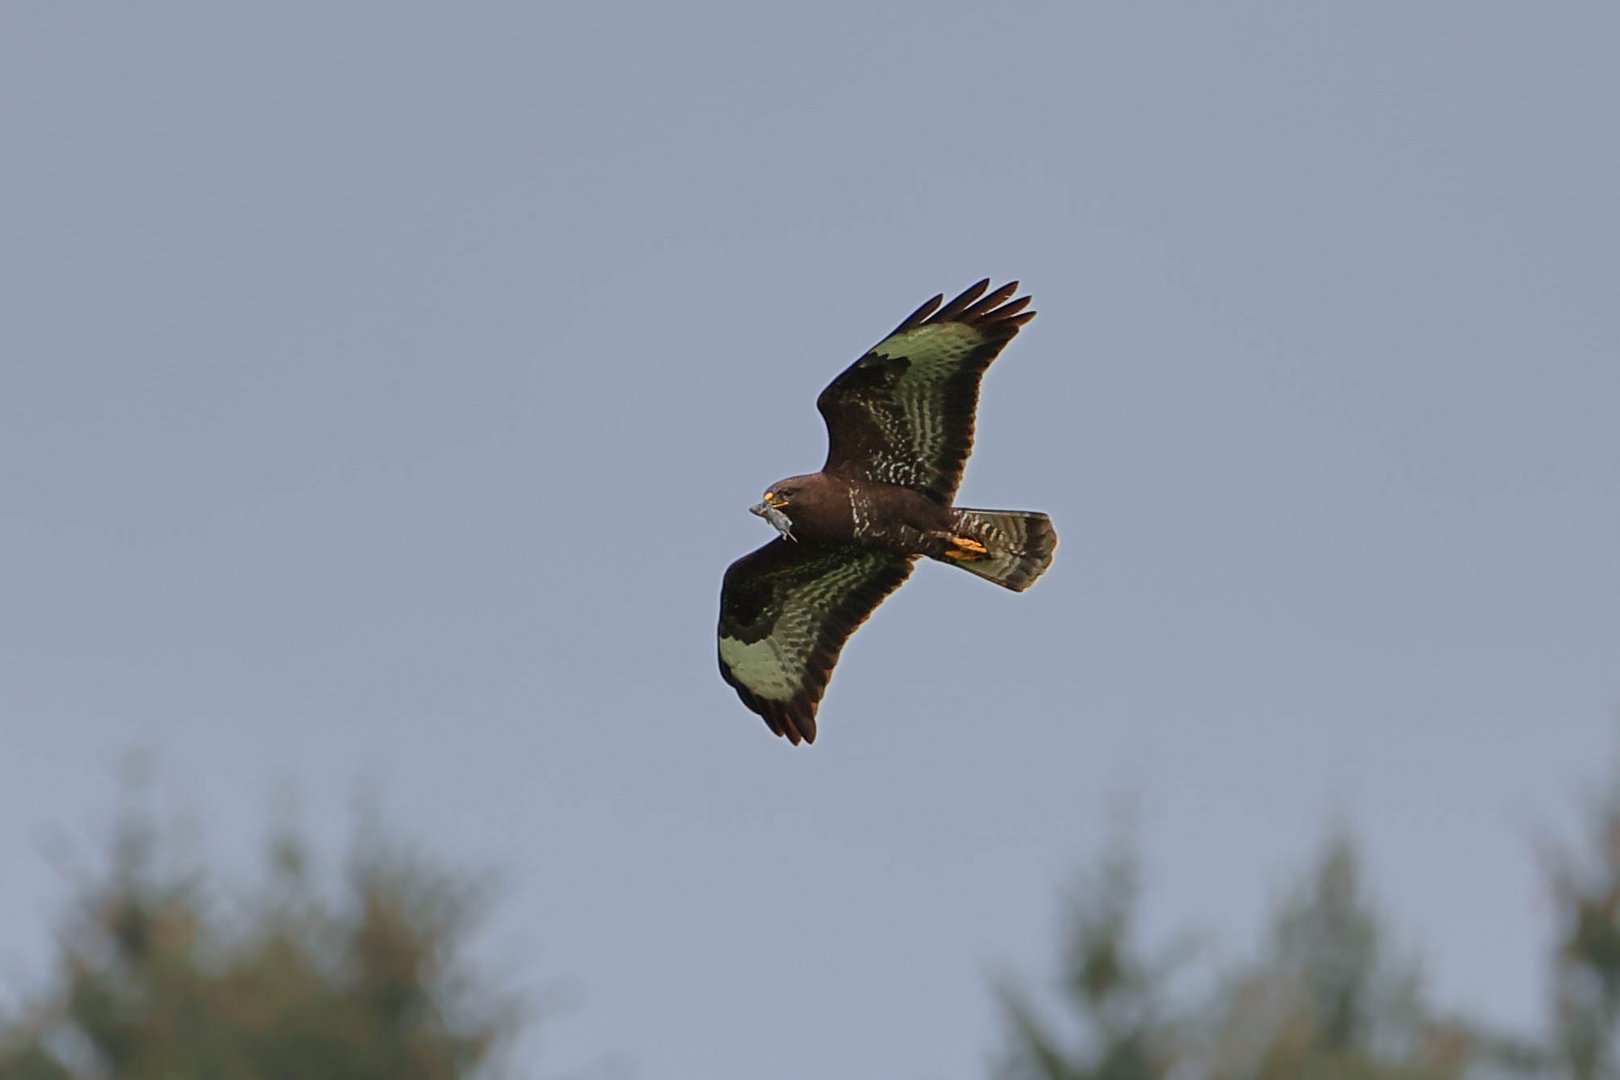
383, 387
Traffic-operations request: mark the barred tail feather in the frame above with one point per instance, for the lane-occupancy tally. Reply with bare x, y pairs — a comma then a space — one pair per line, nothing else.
1018, 545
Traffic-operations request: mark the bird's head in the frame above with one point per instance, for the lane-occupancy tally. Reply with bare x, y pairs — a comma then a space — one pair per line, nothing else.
775, 506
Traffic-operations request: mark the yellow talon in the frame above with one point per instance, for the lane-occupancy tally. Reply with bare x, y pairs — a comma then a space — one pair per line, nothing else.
965, 547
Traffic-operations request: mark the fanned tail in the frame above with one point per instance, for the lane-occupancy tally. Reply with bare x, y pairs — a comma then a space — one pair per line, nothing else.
1009, 547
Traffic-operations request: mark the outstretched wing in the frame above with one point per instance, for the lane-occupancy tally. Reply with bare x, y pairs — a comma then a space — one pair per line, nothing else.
903, 413
785, 612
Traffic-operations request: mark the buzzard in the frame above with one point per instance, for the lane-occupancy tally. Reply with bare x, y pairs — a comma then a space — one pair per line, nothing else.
899, 431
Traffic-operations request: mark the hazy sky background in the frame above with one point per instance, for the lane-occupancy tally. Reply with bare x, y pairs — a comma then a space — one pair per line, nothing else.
383, 386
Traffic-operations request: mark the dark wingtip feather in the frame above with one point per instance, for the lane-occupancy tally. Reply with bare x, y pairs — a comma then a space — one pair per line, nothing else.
795, 725
920, 316
989, 305
800, 729
963, 303
1013, 307
996, 312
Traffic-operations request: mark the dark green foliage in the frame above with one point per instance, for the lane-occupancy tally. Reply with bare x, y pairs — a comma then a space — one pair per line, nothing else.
157, 979
1327, 999
1125, 1026
1587, 964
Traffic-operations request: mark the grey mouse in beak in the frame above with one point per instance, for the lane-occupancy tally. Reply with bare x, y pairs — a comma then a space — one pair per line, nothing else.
776, 518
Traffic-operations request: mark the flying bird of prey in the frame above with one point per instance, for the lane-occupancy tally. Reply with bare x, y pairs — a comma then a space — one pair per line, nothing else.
899, 431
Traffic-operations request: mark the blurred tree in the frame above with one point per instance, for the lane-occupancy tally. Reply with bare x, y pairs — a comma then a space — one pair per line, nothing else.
152, 981
1328, 999
1586, 969
1124, 1026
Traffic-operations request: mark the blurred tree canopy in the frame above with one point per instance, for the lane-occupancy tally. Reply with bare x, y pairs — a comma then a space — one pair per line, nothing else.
162, 973
1586, 967
157, 978
1331, 996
